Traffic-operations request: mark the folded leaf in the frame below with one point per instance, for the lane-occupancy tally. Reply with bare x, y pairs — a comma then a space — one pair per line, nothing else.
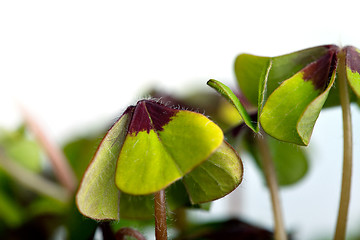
147, 149
98, 197
353, 68
216, 177
162, 146
226, 92
290, 112
249, 69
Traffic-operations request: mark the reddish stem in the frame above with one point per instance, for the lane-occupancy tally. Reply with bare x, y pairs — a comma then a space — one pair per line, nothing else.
62, 169
160, 215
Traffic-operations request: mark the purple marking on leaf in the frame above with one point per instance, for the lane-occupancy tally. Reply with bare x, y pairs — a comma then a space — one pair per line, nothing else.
150, 115
352, 59
140, 120
320, 71
159, 114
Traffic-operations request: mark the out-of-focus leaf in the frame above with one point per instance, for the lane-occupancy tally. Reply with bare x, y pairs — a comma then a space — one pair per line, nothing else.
20, 148
79, 152
226, 92
78, 227
229, 229
31, 180
45, 205
12, 214
290, 161
290, 112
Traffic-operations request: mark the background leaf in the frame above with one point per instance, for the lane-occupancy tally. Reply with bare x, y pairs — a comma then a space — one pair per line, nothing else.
19, 147
290, 161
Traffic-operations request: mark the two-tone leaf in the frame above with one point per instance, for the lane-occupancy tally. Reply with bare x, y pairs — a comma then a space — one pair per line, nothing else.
292, 95
352, 62
249, 69
150, 147
162, 145
290, 112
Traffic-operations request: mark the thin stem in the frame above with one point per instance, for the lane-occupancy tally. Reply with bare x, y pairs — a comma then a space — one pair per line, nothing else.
107, 232
62, 169
120, 235
270, 175
160, 215
347, 161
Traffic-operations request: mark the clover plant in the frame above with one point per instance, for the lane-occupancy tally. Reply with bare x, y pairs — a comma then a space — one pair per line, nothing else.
147, 150
290, 91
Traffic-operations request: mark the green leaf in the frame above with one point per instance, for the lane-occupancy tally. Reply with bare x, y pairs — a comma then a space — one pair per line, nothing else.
79, 152
353, 68
263, 91
226, 92
98, 197
221, 173
78, 227
290, 112
156, 154
177, 196
143, 154
249, 69
136, 207
20, 148
290, 161
12, 214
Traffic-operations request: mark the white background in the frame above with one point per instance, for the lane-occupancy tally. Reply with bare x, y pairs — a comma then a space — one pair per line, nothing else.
77, 64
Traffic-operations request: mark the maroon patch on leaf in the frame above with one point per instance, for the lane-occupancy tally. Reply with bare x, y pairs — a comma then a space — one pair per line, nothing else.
159, 114
320, 71
149, 115
352, 59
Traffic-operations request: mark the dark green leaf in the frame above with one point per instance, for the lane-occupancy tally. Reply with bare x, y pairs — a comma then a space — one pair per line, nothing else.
226, 92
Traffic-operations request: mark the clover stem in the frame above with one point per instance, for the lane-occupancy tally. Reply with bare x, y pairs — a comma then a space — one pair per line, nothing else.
347, 157
107, 232
160, 215
270, 176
